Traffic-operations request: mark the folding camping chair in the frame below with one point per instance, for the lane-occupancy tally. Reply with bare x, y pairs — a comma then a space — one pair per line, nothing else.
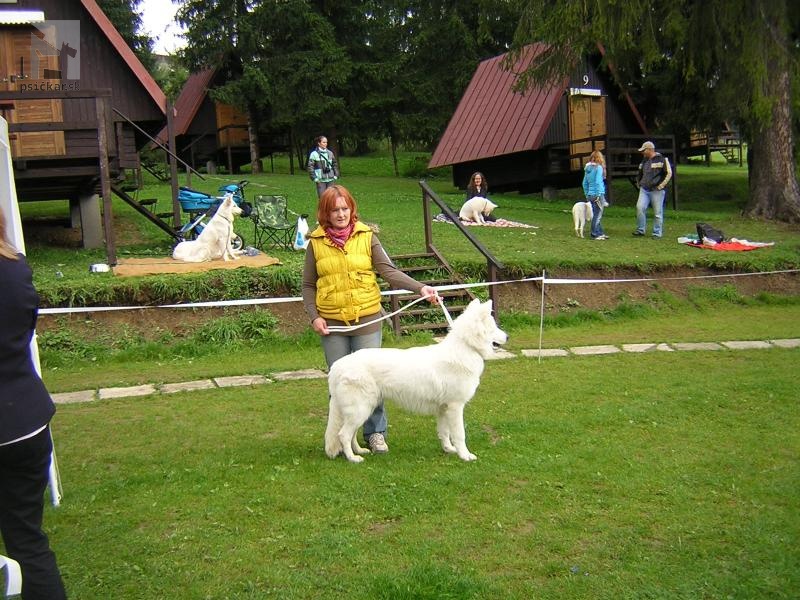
272, 226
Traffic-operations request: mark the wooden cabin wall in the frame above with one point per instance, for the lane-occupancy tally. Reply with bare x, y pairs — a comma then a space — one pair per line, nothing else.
205, 119
101, 67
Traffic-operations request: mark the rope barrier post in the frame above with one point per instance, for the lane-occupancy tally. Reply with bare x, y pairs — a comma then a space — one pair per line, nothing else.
541, 318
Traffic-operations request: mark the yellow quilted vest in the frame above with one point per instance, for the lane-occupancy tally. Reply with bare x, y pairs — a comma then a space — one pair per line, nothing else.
347, 288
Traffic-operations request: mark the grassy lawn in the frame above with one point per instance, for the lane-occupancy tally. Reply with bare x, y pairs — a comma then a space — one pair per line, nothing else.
628, 476
658, 475
714, 195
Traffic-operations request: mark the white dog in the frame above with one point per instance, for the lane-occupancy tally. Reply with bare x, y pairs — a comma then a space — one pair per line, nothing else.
582, 213
214, 242
475, 209
438, 379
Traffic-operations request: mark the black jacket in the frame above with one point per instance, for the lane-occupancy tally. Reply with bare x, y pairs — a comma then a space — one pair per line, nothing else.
25, 404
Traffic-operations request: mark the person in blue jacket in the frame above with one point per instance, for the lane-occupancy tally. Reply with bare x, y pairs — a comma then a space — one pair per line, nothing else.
25, 443
594, 188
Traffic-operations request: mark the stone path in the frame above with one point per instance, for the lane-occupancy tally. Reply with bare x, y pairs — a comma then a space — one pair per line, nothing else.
500, 354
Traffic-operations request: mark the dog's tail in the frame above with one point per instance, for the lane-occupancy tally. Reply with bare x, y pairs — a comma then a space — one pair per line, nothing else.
333, 446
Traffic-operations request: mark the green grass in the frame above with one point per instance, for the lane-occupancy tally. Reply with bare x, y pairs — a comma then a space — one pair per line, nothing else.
121, 356
715, 195
662, 475
627, 476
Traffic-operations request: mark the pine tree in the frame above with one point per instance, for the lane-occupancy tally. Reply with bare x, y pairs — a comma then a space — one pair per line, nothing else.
735, 60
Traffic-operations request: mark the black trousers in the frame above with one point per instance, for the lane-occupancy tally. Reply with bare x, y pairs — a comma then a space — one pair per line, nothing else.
23, 478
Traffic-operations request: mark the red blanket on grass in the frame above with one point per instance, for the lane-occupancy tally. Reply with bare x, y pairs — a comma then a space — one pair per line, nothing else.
730, 246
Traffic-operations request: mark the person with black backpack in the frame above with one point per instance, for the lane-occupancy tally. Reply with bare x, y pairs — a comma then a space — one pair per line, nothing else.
322, 166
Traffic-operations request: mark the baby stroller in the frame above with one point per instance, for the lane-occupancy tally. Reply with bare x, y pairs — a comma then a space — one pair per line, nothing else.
200, 206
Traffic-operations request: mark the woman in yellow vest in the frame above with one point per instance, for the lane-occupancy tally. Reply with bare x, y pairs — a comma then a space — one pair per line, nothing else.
340, 288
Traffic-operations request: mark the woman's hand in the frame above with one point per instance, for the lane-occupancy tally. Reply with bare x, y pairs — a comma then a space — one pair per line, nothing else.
320, 325
430, 294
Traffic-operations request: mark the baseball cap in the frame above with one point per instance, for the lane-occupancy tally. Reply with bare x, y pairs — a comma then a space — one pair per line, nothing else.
647, 145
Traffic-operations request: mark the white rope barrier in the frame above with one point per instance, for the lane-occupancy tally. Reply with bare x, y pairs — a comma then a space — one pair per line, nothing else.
441, 288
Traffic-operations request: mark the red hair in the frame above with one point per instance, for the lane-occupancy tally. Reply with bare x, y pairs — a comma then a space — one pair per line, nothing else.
327, 203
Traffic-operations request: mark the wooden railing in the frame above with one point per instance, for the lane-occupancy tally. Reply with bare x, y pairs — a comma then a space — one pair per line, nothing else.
493, 266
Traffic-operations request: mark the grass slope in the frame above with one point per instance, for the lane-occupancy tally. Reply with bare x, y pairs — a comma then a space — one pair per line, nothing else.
626, 476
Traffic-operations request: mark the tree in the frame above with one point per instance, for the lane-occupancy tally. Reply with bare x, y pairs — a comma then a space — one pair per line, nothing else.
124, 14
737, 58
220, 35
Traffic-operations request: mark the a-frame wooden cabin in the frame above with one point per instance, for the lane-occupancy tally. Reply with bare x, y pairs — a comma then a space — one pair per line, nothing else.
209, 132
541, 138
79, 106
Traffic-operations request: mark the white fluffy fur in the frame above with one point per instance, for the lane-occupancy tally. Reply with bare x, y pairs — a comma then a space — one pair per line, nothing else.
437, 380
475, 209
582, 213
214, 242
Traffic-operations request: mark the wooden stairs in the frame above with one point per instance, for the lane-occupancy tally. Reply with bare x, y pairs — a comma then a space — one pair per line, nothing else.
429, 269
146, 207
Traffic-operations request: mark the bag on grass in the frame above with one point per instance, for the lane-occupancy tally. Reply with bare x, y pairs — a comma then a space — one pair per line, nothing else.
300, 241
707, 232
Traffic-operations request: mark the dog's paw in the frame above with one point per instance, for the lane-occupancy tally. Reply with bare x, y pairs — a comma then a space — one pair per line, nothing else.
469, 456
356, 458
362, 451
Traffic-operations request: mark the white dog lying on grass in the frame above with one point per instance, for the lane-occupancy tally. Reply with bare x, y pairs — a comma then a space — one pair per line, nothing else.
437, 380
214, 242
582, 213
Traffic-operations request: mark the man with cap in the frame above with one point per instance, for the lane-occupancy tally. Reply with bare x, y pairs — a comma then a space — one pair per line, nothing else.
654, 175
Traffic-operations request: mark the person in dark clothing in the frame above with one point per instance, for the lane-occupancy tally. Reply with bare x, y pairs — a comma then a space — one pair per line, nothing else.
25, 443
479, 187
654, 175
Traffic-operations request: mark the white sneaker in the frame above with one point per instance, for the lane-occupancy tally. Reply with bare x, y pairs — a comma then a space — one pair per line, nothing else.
377, 443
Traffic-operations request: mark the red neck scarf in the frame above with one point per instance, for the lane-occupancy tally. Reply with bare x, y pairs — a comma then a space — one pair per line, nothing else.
339, 236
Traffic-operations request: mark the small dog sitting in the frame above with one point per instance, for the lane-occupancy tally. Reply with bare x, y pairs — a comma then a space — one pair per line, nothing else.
214, 242
582, 213
477, 209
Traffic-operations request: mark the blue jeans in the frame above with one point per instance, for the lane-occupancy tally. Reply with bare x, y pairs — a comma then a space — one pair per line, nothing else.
597, 214
654, 198
335, 347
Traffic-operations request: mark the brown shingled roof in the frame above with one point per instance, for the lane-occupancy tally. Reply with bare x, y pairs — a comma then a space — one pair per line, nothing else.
188, 103
191, 97
492, 119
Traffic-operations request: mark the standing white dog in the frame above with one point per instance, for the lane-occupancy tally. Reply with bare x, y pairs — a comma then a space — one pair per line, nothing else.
214, 242
438, 380
582, 213
476, 208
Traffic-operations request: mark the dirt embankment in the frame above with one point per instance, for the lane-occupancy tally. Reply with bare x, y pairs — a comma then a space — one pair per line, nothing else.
525, 296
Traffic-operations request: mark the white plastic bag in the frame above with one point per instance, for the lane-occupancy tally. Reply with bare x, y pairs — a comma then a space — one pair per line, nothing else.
300, 240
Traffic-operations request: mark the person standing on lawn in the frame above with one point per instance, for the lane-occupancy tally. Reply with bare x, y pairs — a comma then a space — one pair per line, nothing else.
340, 288
25, 443
654, 175
322, 166
594, 187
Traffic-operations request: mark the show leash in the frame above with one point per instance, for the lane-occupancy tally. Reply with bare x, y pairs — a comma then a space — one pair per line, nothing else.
348, 328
